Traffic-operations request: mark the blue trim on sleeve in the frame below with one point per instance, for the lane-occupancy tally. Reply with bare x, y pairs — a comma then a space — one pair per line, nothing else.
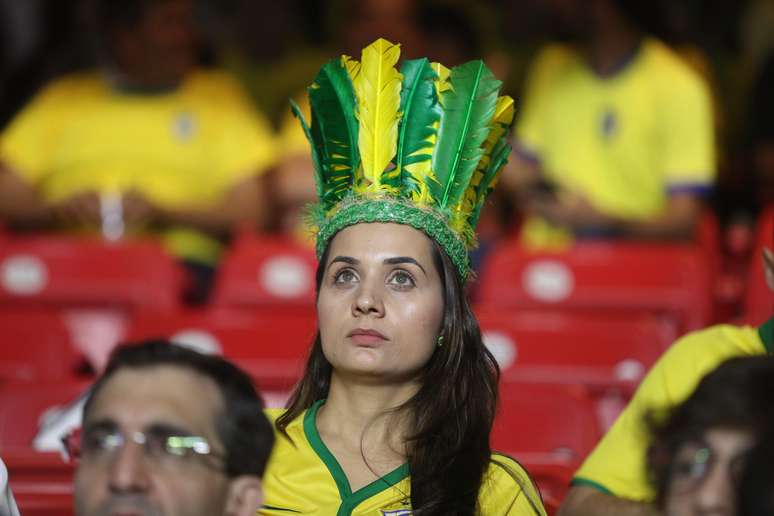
525, 153
702, 189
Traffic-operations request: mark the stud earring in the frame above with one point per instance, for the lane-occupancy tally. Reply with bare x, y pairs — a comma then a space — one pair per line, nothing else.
440, 341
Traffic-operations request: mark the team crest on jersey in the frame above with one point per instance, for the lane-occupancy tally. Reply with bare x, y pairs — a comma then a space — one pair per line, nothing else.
184, 127
397, 512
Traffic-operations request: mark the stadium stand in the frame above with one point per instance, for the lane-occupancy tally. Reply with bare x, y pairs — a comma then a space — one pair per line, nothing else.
270, 344
37, 345
266, 271
603, 277
54, 271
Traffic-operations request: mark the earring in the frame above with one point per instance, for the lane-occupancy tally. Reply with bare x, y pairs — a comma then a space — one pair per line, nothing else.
440, 341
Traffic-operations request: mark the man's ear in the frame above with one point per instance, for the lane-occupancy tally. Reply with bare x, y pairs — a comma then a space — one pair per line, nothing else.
768, 267
245, 495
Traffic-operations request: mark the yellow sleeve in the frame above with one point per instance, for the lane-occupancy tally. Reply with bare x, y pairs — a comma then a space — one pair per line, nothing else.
686, 141
508, 490
529, 131
618, 463
26, 142
245, 145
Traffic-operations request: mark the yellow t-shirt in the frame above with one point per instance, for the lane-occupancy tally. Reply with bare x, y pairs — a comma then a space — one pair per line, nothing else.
617, 465
624, 141
185, 148
303, 477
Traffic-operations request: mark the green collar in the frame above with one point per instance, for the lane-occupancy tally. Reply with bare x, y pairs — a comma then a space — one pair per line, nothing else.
766, 333
349, 500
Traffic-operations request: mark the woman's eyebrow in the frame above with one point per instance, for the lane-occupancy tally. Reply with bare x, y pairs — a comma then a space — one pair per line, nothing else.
345, 259
404, 259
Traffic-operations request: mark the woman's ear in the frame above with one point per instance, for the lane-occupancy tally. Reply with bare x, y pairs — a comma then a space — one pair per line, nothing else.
768, 267
245, 496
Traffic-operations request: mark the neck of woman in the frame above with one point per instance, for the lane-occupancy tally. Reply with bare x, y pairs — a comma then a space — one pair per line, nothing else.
364, 413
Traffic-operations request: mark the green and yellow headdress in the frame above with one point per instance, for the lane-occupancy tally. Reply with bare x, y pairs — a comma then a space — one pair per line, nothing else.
423, 146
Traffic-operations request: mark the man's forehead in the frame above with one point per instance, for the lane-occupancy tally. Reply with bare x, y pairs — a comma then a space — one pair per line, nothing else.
140, 397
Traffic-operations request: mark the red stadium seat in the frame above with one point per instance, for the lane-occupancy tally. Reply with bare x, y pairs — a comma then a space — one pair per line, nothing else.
603, 277
42, 483
36, 346
271, 345
266, 271
25, 406
56, 271
759, 301
566, 347
556, 420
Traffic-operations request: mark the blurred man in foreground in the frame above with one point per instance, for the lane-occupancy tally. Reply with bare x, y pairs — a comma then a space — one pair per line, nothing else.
170, 432
613, 480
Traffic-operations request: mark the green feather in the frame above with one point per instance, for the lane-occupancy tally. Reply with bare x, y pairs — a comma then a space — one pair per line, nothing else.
332, 99
468, 108
421, 111
500, 155
314, 144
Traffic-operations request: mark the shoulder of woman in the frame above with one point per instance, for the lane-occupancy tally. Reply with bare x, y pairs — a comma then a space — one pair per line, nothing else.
507, 483
272, 414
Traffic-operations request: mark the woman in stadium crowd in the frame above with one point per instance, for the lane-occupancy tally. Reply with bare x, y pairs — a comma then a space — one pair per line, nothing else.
395, 408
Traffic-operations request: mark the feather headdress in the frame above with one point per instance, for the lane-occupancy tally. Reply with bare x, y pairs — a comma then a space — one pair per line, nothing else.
422, 146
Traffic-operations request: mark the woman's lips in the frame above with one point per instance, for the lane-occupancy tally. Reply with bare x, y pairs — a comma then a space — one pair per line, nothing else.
368, 338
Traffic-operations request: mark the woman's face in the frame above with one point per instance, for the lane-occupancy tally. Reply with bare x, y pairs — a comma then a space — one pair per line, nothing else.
380, 305
703, 476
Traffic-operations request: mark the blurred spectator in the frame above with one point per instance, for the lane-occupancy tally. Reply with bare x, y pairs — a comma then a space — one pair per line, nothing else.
170, 431
761, 127
147, 144
616, 134
698, 451
756, 482
613, 478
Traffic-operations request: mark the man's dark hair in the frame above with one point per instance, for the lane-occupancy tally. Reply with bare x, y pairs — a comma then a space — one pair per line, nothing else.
243, 428
736, 395
756, 488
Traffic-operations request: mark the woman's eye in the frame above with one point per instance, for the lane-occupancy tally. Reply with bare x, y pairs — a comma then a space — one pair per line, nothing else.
402, 279
344, 276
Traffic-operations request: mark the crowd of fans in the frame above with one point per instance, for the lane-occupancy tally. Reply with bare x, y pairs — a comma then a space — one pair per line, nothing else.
168, 119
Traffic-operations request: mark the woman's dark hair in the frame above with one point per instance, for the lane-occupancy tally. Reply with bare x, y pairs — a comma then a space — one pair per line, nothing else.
736, 395
242, 427
452, 413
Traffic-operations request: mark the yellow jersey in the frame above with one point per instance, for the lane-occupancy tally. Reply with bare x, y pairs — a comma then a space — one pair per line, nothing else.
625, 141
618, 464
185, 148
303, 477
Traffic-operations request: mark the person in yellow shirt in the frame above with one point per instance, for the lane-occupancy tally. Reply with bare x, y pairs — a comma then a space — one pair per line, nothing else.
175, 150
616, 135
394, 412
613, 478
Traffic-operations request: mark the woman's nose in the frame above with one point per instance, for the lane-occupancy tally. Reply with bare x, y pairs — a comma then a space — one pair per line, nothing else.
368, 301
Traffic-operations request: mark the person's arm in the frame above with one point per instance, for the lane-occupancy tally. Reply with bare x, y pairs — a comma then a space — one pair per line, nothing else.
22, 207
587, 501
243, 205
677, 221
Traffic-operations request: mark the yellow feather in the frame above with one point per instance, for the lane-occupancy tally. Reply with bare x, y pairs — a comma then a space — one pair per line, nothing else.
352, 66
501, 121
442, 81
377, 87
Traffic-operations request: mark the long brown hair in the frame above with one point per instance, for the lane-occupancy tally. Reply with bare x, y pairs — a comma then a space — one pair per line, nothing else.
450, 416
